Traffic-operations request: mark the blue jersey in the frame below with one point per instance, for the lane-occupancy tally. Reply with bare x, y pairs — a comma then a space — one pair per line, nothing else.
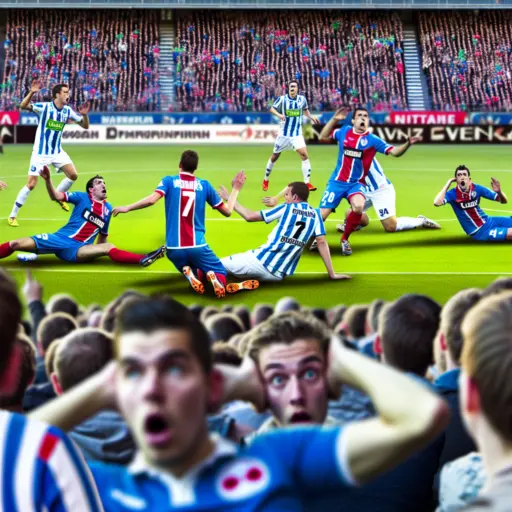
264, 476
42, 469
51, 124
185, 209
297, 223
356, 153
292, 109
88, 218
466, 206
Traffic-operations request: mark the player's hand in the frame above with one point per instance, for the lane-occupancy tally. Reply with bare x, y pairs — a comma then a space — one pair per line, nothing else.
45, 173
35, 86
223, 193
270, 201
119, 209
32, 290
414, 140
338, 277
452, 180
495, 184
3, 185
315, 120
239, 180
282, 118
341, 114
84, 109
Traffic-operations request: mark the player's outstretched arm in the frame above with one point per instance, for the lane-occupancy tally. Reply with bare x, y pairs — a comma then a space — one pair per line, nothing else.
237, 183
84, 111
272, 201
314, 119
139, 205
401, 150
439, 199
325, 253
339, 115
54, 194
410, 415
34, 89
496, 186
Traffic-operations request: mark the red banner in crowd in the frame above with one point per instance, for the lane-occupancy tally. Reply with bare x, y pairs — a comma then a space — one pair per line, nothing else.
427, 117
9, 118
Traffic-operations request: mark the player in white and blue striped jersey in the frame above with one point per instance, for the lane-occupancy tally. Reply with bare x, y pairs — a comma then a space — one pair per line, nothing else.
53, 117
297, 223
291, 109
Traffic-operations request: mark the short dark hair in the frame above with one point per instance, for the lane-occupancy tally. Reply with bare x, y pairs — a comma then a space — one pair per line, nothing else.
90, 183
300, 189
500, 285
81, 354
242, 312
57, 89
407, 328
372, 317
10, 316
461, 168
54, 327
357, 109
223, 353
222, 326
150, 314
260, 313
293, 82
355, 320
189, 161
63, 303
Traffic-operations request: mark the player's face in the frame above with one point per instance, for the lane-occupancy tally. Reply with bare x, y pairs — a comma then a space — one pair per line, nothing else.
463, 180
293, 90
63, 96
99, 190
361, 121
288, 196
295, 381
162, 392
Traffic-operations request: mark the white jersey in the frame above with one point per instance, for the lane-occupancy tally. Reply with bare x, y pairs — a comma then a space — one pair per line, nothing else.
297, 223
51, 124
376, 179
292, 109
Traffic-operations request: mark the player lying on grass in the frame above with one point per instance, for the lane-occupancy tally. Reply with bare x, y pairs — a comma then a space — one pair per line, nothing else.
164, 384
89, 220
53, 116
465, 201
186, 197
278, 258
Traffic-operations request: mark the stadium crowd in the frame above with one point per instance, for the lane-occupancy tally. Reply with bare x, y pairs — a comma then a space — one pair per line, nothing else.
467, 58
433, 383
232, 61
109, 58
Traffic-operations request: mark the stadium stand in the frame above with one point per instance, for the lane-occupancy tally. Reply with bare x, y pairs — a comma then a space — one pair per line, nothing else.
109, 57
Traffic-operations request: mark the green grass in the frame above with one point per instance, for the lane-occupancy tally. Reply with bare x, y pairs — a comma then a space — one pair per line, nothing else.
384, 265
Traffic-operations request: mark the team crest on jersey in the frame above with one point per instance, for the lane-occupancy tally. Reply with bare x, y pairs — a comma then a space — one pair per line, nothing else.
243, 478
473, 194
364, 143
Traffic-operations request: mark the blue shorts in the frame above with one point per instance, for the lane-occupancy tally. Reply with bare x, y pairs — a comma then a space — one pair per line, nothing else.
494, 230
338, 190
202, 258
63, 247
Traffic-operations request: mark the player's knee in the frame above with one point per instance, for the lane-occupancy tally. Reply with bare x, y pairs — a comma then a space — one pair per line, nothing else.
31, 184
389, 227
15, 245
72, 175
358, 209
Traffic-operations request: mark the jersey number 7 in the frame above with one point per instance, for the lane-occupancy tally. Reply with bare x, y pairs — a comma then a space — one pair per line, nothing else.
191, 197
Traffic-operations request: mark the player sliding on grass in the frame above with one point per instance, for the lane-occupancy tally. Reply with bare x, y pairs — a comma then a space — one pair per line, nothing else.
465, 201
185, 207
278, 258
89, 220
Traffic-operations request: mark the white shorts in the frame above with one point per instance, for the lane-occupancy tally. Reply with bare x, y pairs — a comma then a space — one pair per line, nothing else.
37, 162
245, 265
283, 143
383, 200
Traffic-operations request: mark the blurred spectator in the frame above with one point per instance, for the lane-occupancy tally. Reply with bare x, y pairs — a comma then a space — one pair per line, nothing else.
222, 326
260, 312
63, 303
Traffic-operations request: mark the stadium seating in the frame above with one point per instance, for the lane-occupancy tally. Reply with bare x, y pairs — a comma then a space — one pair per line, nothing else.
467, 58
109, 58
232, 61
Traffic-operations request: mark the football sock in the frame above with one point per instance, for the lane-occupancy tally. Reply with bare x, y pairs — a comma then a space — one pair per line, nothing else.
221, 278
20, 201
65, 185
268, 170
5, 250
306, 170
120, 256
353, 220
406, 223
199, 274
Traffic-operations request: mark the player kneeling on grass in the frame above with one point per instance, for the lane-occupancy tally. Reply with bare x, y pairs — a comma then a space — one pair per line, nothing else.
164, 384
89, 220
465, 201
297, 223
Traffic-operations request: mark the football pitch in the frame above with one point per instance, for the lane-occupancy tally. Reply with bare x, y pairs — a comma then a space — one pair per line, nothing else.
385, 265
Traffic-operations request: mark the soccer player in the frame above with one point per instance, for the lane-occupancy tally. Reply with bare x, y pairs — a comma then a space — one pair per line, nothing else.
278, 258
290, 108
89, 220
357, 149
164, 384
185, 208
465, 201
53, 116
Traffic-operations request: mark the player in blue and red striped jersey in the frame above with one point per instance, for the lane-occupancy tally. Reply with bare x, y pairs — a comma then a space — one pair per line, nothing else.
465, 201
89, 221
357, 149
185, 208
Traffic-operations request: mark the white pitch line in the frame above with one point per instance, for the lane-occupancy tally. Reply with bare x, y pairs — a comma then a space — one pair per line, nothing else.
217, 219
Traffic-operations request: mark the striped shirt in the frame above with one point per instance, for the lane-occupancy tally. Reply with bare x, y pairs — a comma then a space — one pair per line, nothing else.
297, 223
376, 179
42, 470
51, 124
292, 109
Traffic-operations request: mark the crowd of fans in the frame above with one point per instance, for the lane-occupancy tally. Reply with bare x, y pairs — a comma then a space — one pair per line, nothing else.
467, 58
233, 61
109, 58
438, 378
